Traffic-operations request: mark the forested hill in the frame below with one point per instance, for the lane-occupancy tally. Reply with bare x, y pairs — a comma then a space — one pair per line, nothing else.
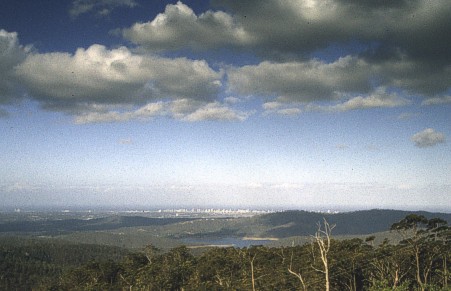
69, 225
293, 223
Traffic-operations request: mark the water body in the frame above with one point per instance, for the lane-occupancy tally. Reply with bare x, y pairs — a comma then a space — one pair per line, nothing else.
226, 241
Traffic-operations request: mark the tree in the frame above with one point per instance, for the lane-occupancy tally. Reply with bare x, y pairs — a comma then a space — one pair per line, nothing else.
297, 274
412, 229
347, 261
322, 239
219, 268
150, 252
439, 235
388, 266
428, 240
131, 265
249, 254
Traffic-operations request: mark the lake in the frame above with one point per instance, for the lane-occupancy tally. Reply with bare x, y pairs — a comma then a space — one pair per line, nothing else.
226, 241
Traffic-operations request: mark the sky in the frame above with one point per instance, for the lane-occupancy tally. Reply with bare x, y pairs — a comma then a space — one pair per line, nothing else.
299, 104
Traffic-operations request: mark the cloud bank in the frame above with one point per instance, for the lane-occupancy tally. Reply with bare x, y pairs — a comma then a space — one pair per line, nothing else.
311, 55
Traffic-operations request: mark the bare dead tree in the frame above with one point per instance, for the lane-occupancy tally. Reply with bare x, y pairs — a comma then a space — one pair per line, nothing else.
322, 238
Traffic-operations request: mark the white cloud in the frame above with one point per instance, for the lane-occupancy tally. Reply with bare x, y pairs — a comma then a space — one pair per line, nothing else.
125, 141
294, 29
301, 81
145, 112
98, 75
289, 79
289, 111
216, 111
378, 99
101, 117
428, 138
232, 100
273, 105
316, 80
11, 54
182, 109
281, 108
179, 27
100, 7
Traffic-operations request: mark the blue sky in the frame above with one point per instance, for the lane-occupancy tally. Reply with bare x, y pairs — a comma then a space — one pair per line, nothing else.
297, 104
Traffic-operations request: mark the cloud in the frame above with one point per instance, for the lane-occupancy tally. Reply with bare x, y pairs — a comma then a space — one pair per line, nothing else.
232, 100
407, 115
378, 99
342, 146
179, 27
406, 53
125, 141
400, 44
318, 80
437, 100
97, 75
428, 138
102, 114
11, 54
293, 28
301, 81
182, 109
273, 105
280, 108
314, 80
216, 111
100, 7
289, 111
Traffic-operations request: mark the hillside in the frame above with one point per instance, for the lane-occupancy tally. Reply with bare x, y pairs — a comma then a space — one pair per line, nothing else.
137, 231
59, 226
295, 223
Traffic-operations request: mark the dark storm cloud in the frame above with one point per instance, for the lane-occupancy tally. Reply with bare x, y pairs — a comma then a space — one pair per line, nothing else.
294, 29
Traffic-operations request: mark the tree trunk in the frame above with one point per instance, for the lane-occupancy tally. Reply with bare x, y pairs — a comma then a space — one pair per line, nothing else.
445, 273
417, 260
323, 238
252, 274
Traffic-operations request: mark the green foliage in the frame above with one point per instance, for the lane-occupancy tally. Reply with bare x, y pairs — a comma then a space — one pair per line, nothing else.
27, 263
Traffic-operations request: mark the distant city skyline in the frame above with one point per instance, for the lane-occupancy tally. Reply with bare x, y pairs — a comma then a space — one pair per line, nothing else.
291, 104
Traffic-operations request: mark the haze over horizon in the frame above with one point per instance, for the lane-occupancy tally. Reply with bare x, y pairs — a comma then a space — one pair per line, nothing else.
285, 103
